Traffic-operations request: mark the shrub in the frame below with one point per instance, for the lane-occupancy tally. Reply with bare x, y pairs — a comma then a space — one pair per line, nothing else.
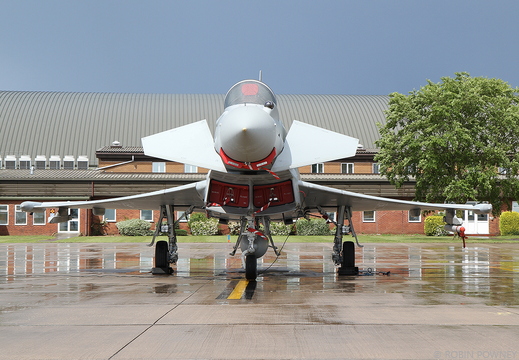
509, 223
280, 229
134, 227
181, 232
204, 227
433, 226
234, 227
195, 217
312, 227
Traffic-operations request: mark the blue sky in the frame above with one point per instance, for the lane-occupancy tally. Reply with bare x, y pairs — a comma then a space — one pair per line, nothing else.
303, 47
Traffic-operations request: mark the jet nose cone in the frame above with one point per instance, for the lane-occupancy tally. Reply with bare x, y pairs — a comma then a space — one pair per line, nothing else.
247, 134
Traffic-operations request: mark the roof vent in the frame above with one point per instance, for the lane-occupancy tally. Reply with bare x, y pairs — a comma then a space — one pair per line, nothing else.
116, 144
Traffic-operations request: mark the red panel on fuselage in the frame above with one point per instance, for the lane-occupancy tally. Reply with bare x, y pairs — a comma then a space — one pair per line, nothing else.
225, 194
275, 194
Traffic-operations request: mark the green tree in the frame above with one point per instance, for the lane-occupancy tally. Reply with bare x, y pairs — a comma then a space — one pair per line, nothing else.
457, 138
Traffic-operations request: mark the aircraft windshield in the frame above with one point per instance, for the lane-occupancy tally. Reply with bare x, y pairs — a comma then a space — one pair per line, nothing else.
249, 91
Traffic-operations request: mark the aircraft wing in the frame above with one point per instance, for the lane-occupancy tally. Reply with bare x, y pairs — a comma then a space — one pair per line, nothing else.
180, 196
324, 196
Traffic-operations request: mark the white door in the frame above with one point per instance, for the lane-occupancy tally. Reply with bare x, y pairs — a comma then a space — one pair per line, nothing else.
475, 223
73, 224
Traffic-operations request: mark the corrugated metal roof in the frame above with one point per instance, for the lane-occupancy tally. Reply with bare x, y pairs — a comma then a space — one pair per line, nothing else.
64, 123
99, 175
93, 175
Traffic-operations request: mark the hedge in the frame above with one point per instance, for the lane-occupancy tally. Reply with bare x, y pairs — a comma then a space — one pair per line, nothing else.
433, 226
509, 223
134, 227
312, 227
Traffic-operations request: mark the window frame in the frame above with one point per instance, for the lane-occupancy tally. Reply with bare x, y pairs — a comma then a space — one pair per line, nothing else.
110, 220
158, 167
142, 217
6, 212
409, 220
18, 211
190, 169
369, 220
43, 218
318, 166
348, 167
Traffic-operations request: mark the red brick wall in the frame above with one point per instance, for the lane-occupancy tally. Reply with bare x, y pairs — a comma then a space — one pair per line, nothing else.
386, 222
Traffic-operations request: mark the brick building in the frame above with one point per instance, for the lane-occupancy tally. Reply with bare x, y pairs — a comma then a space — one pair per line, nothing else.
74, 131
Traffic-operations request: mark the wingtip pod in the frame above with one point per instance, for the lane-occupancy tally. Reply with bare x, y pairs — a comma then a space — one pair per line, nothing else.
30, 206
483, 208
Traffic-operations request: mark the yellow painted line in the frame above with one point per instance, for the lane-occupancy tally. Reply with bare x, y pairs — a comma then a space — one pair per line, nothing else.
238, 291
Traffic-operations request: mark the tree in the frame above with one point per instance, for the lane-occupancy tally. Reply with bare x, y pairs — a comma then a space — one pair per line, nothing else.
458, 139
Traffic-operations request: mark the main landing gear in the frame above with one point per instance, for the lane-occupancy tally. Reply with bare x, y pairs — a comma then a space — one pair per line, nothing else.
344, 252
166, 251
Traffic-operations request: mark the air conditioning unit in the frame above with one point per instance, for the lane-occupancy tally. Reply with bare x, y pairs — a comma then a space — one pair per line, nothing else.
69, 162
40, 162
25, 162
55, 162
82, 163
10, 162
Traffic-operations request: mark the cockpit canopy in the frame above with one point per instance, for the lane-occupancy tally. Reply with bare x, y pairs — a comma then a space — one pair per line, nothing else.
250, 92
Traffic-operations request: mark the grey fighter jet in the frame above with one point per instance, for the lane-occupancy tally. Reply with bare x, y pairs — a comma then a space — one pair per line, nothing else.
253, 178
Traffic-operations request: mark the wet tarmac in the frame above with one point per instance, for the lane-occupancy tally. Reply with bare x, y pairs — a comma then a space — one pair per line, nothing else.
412, 301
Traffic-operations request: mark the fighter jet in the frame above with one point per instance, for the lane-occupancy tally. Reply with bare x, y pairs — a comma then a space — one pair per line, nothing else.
253, 178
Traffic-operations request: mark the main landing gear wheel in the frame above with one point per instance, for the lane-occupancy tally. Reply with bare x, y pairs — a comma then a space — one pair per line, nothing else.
162, 259
251, 267
348, 259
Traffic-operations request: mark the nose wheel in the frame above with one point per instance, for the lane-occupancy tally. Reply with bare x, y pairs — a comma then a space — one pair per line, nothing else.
251, 267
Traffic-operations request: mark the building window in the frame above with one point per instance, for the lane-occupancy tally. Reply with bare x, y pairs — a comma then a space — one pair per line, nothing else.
73, 224
414, 218
180, 214
347, 168
376, 168
368, 216
190, 169
147, 215
20, 216
110, 215
38, 218
158, 167
317, 168
4, 214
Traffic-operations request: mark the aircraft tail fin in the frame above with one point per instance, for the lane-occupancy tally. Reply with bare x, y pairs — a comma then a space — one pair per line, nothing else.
190, 144
307, 144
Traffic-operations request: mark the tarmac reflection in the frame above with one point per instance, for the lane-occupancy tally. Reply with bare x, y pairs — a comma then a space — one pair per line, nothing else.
489, 271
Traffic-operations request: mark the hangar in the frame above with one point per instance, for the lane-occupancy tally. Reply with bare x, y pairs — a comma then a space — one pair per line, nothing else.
80, 146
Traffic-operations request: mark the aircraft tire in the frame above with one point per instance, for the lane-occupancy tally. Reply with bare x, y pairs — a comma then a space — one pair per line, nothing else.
161, 254
251, 267
348, 254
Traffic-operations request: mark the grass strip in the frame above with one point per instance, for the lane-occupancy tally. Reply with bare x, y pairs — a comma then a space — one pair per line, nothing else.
278, 239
